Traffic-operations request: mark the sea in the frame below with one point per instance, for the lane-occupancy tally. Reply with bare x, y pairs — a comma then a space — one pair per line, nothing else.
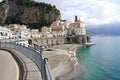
101, 61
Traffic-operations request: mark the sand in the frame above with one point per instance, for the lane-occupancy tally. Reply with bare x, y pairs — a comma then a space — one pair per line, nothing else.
63, 61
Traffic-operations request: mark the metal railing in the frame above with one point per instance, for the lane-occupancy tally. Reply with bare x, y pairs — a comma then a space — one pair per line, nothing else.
35, 55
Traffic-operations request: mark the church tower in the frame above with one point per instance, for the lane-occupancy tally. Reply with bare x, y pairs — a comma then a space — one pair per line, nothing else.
79, 28
76, 18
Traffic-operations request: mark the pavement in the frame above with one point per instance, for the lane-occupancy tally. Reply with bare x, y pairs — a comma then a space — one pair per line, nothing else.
30, 70
9, 69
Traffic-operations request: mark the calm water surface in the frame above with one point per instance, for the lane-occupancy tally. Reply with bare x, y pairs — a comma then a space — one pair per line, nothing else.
102, 61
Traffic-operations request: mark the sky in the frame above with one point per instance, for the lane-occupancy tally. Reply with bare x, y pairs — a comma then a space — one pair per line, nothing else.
93, 12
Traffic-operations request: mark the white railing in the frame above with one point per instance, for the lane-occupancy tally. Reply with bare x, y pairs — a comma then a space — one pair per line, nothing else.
35, 55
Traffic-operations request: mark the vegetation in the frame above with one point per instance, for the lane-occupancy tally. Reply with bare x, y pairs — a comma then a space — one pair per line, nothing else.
40, 4
1, 3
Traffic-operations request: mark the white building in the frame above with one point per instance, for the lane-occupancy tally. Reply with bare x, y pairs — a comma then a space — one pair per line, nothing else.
24, 33
35, 33
78, 26
80, 29
19, 31
5, 33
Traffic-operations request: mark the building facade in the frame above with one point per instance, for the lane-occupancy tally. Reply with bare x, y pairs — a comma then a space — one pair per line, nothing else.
78, 27
5, 33
58, 29
46, 32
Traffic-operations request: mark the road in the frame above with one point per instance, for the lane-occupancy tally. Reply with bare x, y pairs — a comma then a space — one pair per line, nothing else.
8, 67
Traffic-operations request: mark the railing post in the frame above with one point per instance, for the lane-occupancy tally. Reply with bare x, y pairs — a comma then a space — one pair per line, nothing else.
45, 71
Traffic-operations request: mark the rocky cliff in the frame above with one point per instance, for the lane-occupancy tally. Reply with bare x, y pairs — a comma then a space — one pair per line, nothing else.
27, 12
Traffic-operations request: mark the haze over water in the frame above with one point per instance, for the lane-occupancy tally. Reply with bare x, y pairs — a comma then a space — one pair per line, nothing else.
102, 61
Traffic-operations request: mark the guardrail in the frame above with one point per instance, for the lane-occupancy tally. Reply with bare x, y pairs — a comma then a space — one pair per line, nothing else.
35, 55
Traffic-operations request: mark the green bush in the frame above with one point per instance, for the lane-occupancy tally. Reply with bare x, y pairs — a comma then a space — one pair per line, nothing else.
39, 4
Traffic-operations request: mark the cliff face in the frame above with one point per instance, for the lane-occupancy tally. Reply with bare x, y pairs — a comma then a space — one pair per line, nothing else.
32, 13
3, 12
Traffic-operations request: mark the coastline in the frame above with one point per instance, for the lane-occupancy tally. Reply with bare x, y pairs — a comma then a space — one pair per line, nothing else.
63, 61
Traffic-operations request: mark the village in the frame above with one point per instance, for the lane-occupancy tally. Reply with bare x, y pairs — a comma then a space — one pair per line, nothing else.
59, 32
56, 29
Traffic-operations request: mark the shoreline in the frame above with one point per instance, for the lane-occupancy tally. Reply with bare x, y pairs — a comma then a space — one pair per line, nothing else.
63, 61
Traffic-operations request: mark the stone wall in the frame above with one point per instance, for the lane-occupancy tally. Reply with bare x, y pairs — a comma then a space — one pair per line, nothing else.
77, 39
80, 39
50, 41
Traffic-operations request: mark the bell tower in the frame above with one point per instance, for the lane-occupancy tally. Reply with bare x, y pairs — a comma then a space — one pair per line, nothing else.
76, 18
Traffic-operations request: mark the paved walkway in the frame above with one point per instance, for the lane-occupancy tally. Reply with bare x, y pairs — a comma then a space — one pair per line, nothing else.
8, 67
31, 71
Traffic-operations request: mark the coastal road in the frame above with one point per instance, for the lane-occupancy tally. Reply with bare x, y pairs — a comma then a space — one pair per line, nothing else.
8, 67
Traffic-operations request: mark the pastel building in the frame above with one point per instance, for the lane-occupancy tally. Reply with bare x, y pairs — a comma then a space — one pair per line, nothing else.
19, 31
57, 29
46, 31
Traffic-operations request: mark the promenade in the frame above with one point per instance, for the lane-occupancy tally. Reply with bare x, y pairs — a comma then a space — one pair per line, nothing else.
28, 71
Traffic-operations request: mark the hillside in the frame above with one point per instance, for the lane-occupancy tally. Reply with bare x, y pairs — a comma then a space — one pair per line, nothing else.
28, 12
112, 29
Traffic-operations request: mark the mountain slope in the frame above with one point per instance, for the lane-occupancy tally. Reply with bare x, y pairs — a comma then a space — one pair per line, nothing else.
28, 12
107, 29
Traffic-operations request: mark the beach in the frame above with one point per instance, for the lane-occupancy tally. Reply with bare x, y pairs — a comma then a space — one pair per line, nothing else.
63, 61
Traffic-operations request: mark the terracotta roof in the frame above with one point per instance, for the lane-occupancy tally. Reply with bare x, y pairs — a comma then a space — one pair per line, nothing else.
58, 27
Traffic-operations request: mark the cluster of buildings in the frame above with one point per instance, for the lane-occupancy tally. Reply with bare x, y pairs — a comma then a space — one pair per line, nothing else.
56, 29
63, 29
18, 31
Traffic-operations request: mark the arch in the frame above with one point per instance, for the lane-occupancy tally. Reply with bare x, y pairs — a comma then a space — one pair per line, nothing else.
30, 42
